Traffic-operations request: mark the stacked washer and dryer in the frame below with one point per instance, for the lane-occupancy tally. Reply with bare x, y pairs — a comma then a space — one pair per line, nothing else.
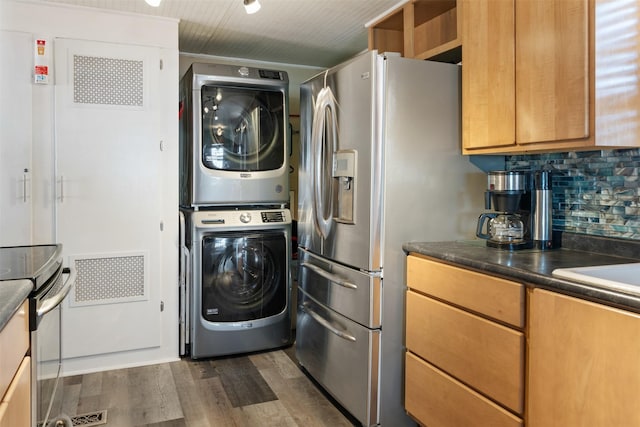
235, 237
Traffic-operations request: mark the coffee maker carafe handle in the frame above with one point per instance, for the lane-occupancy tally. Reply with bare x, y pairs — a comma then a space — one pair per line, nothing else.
482, 219
487, 199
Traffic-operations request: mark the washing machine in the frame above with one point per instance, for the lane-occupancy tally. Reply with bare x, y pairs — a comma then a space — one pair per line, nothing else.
236, 293
234, 136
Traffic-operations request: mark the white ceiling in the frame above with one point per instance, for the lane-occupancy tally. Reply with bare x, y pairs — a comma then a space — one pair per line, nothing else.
320, 33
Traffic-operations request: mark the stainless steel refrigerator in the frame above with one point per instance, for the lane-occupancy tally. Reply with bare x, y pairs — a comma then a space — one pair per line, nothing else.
380, 165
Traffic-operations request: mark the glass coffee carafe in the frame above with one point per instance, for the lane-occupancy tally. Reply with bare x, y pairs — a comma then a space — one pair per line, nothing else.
501, 227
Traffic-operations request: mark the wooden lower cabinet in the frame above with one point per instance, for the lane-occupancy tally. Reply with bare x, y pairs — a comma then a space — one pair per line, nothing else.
485, 355
15, 408
490, 296
15, 371
465, 359
584, 363
436, 399
14, 344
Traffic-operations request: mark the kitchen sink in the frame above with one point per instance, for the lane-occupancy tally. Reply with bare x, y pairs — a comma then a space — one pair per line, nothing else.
618, 277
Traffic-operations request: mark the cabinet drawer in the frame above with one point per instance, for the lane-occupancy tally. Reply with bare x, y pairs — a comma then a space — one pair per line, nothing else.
500, 299
483, 354
15, 408
436, 399
14, 343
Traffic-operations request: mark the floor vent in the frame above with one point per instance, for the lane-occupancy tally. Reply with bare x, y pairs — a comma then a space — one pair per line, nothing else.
90, 419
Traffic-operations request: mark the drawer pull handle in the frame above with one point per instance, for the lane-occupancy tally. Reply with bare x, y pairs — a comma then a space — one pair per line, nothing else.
324, 322
329, 276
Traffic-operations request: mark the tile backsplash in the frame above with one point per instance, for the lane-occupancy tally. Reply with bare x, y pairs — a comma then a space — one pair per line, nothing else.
594, 192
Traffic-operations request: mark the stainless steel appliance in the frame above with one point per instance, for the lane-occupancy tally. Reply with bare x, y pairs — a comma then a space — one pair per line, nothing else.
380, 165
42, 265
234, 136
523, 210
542, 210
236, 294
509, 192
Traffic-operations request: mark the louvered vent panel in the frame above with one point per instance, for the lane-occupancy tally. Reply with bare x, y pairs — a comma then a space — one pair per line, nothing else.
109, 279
107, 81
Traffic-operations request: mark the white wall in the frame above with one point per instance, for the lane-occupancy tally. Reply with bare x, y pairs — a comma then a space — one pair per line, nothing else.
60, 21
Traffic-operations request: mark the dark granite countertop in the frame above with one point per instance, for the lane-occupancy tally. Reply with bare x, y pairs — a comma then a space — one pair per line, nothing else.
534, 267
12, 295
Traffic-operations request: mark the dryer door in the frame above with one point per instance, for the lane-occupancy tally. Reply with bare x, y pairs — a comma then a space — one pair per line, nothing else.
242, 129
244, 275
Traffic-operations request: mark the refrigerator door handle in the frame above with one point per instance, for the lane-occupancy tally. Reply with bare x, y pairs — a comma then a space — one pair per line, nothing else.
326, 324
329, 276
322, 148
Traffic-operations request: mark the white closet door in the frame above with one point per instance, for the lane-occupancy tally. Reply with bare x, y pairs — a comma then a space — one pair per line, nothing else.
108, 190
17, 52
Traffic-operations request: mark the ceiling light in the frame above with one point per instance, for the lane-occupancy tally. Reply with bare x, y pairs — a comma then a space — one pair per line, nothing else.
251, 6
154, 3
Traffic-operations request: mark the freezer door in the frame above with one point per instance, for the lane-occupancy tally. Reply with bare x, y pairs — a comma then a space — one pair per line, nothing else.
352, 293
339, 172
341, 355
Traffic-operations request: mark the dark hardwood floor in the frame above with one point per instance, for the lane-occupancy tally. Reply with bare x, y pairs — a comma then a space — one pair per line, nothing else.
256, 390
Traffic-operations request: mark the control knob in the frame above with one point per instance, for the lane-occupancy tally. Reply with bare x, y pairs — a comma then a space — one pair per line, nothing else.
245, 217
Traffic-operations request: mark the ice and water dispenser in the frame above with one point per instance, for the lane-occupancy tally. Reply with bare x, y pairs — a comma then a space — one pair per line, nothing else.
344, 172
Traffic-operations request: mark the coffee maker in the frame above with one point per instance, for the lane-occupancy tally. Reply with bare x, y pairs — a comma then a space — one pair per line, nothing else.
521, 202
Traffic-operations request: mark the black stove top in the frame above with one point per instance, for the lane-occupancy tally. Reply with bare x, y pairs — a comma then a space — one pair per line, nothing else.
36, 263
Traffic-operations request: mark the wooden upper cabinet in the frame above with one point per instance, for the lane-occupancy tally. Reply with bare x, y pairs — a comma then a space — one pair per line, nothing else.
488, 74
422, 29
552, 70
387, 35
550, 75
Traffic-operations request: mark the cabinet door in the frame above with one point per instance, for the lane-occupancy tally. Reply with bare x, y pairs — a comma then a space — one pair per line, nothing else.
552, 70
488, 74
109, 194
583, 363
16, 51
14, 344
15, 408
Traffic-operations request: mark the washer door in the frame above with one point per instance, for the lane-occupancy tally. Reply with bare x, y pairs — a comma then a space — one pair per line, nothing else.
243, 276
242, 129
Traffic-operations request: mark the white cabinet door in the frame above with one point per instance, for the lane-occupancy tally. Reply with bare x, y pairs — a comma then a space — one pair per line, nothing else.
108, 190
16, 51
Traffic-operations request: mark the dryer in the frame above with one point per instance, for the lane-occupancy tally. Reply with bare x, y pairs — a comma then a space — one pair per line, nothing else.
236, 294
234, 136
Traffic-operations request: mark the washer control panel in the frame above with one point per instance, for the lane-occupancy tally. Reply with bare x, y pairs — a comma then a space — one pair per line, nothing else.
241, 218
272, 216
